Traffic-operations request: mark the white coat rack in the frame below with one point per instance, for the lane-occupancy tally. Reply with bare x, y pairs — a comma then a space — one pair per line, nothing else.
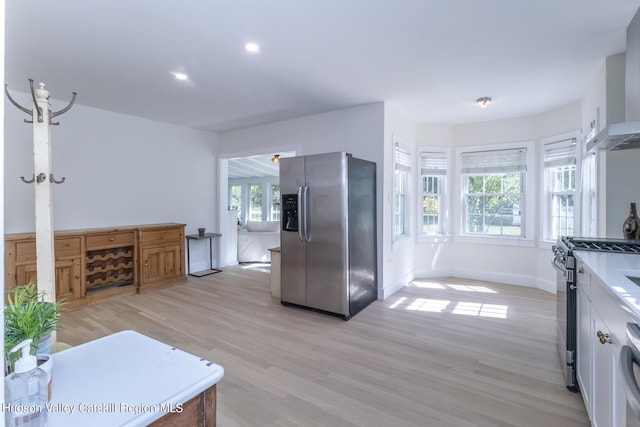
41, 116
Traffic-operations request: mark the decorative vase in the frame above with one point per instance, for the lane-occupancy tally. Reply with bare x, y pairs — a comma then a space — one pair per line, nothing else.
201, 232
631, 225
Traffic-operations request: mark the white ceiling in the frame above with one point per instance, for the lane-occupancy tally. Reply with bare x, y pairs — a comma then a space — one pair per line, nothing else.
260, 166
430, 59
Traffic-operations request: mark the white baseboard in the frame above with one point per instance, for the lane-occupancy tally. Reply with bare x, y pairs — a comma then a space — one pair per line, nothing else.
547, 286
392, 288
465, 273
433, 273
198, 266
497, 277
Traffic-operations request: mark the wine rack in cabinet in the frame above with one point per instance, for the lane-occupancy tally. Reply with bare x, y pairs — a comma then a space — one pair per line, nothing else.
110, 263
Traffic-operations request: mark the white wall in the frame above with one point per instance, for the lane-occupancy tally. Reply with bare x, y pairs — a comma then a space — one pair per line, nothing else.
622, 175
120, 170
398, 265
357, 130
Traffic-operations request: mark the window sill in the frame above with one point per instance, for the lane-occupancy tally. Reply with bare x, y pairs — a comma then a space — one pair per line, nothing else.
439, 238
493, 240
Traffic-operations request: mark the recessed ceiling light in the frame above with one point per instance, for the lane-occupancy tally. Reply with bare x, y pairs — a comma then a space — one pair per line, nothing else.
252, 47
180, 76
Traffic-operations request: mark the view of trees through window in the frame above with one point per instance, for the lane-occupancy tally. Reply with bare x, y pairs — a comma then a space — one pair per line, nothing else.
493, 204
236, 200
275, 202
255, 202
431, 204
563, 186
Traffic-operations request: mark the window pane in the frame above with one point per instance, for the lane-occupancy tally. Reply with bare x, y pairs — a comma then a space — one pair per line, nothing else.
493, 184
401, 182
235, 196
275, 202
475, 184
561, 215
430, 205
561, 190
512, 183
493, 210
402, 161
255, 202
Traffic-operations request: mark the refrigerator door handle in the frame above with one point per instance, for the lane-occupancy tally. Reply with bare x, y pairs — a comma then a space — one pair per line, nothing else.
300, 215
305, 207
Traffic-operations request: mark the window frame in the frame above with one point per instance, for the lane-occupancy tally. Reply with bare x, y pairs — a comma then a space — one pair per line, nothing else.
527, 207
266, 183
443, 194
548, 144
406, 168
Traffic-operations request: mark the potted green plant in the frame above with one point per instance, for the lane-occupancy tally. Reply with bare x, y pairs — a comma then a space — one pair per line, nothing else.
28, 315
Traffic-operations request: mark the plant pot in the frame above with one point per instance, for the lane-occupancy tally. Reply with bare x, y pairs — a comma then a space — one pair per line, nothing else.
44, 345
45, 362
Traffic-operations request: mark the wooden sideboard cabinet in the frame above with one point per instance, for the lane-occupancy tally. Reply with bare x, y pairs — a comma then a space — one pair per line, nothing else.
20, 264
95, 264
161, 256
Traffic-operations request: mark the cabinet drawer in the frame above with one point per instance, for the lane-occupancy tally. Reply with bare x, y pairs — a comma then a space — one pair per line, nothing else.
111, 240
67, 247
161, 237
25, 251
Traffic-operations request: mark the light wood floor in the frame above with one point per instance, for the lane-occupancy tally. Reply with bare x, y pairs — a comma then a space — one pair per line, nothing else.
429, 355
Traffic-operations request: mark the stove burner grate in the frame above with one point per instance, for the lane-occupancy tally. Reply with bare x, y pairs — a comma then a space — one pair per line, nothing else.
603, 246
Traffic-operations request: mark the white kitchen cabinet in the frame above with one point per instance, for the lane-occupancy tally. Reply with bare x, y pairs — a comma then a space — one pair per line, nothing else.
604, 372
583, 338
601, 333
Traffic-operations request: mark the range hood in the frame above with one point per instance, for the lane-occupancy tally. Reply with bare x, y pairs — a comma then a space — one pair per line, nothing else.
620, 136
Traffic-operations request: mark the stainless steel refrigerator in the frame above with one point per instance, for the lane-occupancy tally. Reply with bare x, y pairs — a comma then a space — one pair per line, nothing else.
328, 233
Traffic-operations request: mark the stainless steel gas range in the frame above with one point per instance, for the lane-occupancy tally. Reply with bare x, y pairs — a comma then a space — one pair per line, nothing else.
566, 301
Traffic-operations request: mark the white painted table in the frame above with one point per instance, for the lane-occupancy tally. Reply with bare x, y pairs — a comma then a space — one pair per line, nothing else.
126, 379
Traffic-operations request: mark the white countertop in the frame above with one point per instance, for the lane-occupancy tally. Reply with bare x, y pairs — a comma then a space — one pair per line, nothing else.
612, 269
124, 379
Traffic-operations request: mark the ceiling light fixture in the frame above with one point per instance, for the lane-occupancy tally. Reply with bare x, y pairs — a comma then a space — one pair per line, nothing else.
484, 101
276, 158
252, 47
180, 76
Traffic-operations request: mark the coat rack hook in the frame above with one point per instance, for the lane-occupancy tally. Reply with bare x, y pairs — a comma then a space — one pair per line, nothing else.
41, 178
35, 103
53, 179
65, 109
29, 181
18, 106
